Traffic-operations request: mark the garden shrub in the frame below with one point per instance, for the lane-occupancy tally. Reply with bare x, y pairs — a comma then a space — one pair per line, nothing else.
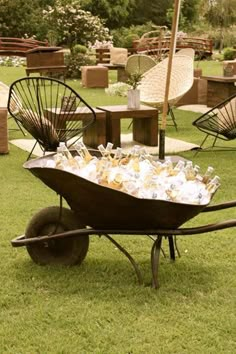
229, 53
128, 41
79, 48
74, 61
122, 36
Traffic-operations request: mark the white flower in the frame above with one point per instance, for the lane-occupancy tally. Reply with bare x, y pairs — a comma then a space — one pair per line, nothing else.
118, 89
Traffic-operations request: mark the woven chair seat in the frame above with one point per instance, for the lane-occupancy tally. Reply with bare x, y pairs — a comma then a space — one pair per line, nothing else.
153, 84
139, 63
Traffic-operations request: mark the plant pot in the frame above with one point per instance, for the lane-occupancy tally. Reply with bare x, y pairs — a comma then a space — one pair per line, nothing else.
197, 72
133, 99
228, 69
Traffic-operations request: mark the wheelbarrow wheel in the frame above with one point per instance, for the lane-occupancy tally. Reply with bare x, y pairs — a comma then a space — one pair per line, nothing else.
65, 251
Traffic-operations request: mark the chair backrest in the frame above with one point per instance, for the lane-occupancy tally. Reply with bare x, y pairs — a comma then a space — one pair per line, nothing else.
153, 85
220, 120
50, 110
186, 51
139, 63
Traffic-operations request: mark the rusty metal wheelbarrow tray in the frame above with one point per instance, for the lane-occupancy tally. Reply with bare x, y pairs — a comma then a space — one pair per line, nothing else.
102, 207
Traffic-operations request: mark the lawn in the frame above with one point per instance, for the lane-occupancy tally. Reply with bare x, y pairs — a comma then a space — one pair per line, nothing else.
98, 307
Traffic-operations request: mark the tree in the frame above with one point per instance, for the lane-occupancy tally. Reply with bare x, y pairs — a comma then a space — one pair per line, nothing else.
149, 10
115, 12
188, 14
20, 18
72, 25
189, 10
221, 14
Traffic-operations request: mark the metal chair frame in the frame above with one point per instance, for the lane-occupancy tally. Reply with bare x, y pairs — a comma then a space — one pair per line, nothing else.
219, 122
47, 108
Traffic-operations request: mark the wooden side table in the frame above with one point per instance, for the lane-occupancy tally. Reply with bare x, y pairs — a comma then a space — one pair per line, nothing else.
45, 60
219, 88
122, 75
145, 124
95, 134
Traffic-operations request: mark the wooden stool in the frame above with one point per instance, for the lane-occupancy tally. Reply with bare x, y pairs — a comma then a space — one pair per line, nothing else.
94, 76
3, 131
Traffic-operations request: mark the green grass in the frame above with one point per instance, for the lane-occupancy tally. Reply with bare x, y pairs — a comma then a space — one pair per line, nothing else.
98, 308
210, 68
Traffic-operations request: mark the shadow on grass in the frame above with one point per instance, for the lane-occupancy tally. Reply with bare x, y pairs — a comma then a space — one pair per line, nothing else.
102, 275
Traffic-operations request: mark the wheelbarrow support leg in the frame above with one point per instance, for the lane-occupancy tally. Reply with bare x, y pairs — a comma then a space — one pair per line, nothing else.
130, 258
171, 248
155, 257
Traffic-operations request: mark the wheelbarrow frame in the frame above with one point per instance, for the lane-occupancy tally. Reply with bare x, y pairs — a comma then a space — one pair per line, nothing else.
120, 209
156, 235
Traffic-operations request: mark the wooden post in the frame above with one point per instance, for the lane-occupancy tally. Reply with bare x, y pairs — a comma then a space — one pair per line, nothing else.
168, 77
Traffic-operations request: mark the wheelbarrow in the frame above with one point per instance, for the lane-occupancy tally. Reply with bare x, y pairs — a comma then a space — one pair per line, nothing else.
59, 235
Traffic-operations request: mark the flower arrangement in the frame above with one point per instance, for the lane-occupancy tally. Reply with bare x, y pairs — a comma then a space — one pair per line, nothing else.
134, 80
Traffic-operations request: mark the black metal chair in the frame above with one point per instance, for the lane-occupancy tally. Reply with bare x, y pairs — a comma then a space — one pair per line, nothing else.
219, 122
50, 110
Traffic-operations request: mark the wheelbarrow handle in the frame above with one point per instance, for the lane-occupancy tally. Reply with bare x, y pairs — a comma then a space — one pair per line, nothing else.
22, 241
220, 206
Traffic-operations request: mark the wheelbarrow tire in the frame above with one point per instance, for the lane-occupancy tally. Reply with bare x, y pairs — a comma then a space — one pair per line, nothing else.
65, 251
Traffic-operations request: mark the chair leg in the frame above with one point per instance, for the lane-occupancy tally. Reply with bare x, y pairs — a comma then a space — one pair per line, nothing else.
200, 147
171, 113
204, 140
214, 142
19, 126
31, 151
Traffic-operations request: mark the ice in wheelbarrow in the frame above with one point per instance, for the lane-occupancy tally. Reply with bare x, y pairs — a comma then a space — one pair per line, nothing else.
139, 174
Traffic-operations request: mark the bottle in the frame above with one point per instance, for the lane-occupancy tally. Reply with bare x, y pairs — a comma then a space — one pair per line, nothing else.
189, 171
213, 184
208, 174
64, 151
135, 158
62, 148
117, 182
102, 150
106, 151
109, 148
117, 157
158, 167
83, 152
178, 169
61, 162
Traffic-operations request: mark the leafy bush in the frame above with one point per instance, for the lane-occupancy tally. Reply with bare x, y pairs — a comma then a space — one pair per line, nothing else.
128, 41
122, 37
74, 62
79, 48
229, 54
74, 25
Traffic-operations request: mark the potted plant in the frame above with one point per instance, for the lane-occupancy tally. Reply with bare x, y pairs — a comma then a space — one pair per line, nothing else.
133, 93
